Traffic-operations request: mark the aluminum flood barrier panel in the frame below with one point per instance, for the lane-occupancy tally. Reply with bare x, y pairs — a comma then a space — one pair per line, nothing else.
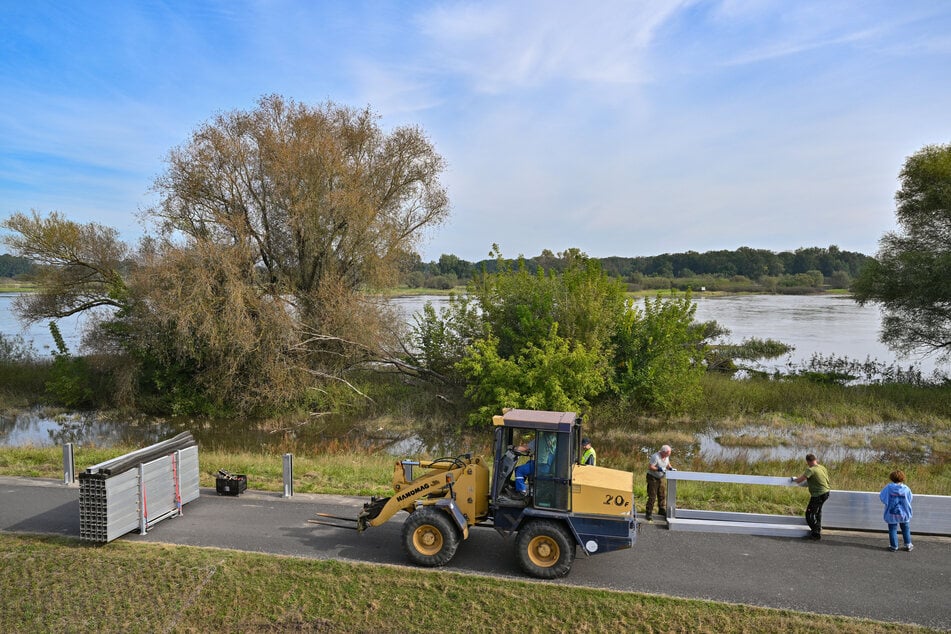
848, 510
137, 490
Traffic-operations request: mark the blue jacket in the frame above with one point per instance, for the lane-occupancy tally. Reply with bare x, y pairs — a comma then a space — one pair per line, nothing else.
897, 500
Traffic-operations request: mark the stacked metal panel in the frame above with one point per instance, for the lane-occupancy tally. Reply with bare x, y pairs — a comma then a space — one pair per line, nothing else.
138, 490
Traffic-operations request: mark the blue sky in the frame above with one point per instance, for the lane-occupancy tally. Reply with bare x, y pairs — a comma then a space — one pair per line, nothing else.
620, 128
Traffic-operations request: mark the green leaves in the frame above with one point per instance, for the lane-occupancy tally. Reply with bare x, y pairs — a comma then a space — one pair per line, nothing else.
553, 374
559, 339
911, 275
660, 354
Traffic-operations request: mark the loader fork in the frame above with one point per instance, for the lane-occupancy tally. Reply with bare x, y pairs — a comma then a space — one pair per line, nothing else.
370, 512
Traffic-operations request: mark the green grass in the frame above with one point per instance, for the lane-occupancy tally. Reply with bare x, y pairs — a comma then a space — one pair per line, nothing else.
336, 473
820, 404
55, 584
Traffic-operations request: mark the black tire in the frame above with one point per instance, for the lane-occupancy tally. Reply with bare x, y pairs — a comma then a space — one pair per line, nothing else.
429, 537
545, 549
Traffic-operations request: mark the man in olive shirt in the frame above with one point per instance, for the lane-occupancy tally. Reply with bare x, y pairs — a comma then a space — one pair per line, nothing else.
818, 480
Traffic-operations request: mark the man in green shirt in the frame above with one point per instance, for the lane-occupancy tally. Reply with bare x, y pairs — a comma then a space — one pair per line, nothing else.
817, 478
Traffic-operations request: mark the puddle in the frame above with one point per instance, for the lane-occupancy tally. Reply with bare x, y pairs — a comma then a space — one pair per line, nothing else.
894, 441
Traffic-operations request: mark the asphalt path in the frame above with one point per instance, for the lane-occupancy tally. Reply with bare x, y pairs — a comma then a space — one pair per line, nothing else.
847, 573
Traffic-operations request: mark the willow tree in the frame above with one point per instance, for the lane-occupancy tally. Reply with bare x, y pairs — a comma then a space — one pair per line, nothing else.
272, 228
911, 274
308, 206
328, 202
79, 266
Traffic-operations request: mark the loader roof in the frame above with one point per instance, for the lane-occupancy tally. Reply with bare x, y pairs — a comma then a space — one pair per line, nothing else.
535, 419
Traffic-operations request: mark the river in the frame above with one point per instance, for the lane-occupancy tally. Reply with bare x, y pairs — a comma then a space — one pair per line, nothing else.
38, 334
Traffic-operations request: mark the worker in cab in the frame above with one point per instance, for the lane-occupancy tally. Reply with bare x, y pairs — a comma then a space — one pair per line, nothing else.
524, 471
588, 454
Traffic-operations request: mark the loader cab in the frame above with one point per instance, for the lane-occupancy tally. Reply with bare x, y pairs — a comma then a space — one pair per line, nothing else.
554, 437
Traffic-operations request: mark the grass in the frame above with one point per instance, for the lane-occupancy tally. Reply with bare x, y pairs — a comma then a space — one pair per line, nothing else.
55, 584
334, 473
10, 286
821, 404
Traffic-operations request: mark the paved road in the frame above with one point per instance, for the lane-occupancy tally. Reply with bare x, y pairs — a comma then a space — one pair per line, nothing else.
847, 573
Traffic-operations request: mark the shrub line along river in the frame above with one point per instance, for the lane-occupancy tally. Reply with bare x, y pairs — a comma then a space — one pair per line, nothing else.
813, 324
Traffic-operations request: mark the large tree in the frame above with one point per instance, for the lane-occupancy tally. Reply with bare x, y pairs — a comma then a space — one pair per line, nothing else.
911, 274
328, 203
272, 225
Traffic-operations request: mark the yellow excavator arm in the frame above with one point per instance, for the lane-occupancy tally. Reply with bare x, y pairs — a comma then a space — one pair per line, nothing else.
437, 481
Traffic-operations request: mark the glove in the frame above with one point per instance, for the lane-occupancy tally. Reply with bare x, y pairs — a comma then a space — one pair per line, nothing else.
792, 478
671, 469
660, 470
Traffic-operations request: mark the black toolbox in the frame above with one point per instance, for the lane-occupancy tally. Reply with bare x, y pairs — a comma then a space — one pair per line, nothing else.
230, 483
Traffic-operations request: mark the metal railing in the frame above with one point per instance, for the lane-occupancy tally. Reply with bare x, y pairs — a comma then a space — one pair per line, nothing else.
849, 510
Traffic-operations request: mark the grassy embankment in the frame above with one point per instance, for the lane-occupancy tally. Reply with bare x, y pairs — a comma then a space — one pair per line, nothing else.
53, 584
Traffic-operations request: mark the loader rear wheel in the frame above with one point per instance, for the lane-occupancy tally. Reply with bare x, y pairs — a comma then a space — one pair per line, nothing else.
429, 537
544, 549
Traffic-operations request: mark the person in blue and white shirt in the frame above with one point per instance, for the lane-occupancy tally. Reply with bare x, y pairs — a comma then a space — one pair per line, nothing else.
896, 496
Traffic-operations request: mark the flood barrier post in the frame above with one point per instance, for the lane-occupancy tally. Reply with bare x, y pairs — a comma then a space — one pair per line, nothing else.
69, 464
288, 475
143, 502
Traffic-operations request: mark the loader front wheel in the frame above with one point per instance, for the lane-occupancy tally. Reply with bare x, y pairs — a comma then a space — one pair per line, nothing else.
544, 549
429, 537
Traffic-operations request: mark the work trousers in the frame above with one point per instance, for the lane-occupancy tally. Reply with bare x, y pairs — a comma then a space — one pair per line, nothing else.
656, 490
521, 473
814, 513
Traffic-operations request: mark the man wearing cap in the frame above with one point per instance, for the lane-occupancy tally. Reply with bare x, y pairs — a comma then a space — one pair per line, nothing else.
588, 454
657, 470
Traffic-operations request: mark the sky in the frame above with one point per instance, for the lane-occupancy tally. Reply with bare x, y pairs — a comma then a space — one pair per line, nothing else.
621, 128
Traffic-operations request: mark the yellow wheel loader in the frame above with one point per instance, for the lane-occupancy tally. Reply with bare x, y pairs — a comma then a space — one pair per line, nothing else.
536, 489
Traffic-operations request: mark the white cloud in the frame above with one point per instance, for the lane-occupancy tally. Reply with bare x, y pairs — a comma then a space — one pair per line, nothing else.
504, 47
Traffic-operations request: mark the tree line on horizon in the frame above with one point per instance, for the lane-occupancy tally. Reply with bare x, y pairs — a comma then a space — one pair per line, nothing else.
742, 269
668, 270
15, 267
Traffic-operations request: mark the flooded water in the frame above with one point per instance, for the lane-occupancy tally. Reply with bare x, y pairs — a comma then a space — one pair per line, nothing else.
827, 325
38, 427
862, 444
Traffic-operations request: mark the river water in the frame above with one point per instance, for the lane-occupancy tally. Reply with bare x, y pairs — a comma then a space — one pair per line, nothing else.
38, 334
821, 324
